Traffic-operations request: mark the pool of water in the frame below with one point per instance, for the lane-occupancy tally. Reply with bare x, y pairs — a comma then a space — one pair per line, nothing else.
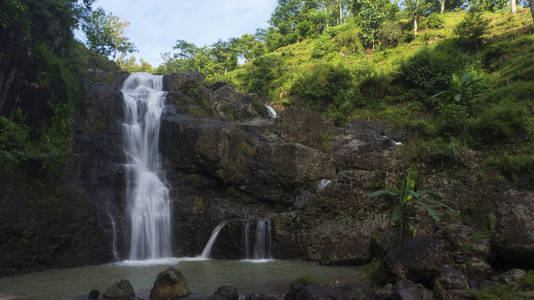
203, 277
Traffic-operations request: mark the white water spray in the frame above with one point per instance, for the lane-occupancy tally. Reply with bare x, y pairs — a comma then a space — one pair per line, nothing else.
207, 249
271, 111
323, 184
147, 195
114, 238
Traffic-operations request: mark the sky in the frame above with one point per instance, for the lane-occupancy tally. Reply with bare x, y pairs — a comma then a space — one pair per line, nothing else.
155, 25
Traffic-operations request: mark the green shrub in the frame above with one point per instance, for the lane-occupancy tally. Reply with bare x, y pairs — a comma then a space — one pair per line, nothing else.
307, 280
350, 41
452, 119
496, 292
435, 21
431, 69
471, 29
390, 34
323, 46
370, 273
515, 167
503, 123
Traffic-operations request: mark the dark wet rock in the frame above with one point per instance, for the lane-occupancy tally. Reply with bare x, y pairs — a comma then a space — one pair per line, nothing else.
511, 277
407, 290
514, 234
315, 292
482, 248
456, 236
359, 291
451, 279
482, 284
418, 260
384, 241
120, 290
303, 126
478, 269
455, 295
169, 284
226, 292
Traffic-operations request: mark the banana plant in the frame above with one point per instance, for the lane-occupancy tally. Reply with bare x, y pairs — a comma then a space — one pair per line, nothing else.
461, 88
406, 201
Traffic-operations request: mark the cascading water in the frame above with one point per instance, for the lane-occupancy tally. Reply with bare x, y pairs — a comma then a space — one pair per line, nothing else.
323, 184
272, 113
114, 237
207, 249
262, 241
147, 195
246, 228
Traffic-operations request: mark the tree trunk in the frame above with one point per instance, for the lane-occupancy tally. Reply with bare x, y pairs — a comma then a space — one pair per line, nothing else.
340, 13
325, 9
442, 2
513, 4
532, 9
415, 15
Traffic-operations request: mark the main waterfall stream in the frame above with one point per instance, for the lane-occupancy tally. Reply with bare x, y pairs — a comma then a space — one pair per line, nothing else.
147, 194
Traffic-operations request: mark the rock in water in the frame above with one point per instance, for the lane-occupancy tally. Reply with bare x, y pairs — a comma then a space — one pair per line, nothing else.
514, 233
225, 292
169, 284
120, 290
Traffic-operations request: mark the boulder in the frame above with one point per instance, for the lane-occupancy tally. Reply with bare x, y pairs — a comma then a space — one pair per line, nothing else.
315, 292
455, 295
359, 291
478, 269
418, 260
514, 232
382, 242
226, 292
169, 284
482, 284
511, 277
450, 279
120, 290
407, 290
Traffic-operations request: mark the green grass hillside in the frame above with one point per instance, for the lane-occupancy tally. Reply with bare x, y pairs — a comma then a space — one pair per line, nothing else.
463, 85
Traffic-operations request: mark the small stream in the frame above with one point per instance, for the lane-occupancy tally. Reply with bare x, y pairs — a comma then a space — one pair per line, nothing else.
203, 276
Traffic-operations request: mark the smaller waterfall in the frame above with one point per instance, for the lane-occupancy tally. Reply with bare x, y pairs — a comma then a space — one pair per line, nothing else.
246, 241
393, 142
262, 246
207, 249
323, 184
114, 238
271, 111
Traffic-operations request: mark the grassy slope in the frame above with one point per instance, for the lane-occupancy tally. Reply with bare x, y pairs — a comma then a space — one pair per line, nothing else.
501, 124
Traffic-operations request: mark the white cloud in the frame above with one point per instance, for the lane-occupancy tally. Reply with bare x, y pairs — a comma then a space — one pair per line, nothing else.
156, 25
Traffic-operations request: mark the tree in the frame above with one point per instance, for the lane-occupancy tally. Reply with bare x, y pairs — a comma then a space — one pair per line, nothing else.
371, 15
105, 34
513, 5
406, 201
532, 8
415, 8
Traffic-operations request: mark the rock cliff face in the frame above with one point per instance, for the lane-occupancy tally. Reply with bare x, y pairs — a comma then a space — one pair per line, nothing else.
63, 218
227, 160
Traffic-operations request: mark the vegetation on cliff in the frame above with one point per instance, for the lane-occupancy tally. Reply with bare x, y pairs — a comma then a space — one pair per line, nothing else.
461, 83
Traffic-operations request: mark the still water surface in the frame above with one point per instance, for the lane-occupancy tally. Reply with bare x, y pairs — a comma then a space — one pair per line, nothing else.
203, 276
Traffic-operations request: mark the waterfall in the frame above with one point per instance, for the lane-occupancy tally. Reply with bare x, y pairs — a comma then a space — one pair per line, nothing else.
323, 184
114, 238
207, 249
263, 240
147, 195
246, 228
271, 111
